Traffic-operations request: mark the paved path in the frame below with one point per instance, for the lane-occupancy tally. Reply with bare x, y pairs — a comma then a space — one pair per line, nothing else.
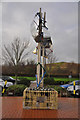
12, 108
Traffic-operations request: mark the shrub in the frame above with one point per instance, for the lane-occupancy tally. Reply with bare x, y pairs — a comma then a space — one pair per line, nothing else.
61, 91
49, 81
16, 89
24, 81
57, 88
52, 81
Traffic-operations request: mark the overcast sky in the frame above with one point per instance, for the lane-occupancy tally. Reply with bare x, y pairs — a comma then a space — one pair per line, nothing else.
62, 21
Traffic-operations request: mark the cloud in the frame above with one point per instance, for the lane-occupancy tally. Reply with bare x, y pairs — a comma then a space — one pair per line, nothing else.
61, 19
0, 34
39, 0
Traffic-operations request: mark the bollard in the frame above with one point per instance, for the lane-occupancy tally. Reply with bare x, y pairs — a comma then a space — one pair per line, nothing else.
74, 88
4, 87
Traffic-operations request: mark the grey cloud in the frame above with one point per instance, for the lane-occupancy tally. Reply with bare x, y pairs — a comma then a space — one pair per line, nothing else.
62, 24
39, 0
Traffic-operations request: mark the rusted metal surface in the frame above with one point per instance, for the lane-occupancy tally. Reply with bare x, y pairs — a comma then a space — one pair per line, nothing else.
12, 107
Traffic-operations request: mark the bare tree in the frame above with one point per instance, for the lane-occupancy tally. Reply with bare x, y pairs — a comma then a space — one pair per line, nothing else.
31, 62
51, 59
16, 53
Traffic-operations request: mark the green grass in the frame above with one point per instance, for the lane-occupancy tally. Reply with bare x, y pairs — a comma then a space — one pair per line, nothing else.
29, 78
56, 79
65, 79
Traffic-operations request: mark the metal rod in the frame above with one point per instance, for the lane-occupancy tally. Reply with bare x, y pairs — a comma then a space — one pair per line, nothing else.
39, 60
44, 18
43, 50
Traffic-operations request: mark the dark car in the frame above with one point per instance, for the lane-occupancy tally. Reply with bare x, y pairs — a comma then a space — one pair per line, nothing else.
8, 78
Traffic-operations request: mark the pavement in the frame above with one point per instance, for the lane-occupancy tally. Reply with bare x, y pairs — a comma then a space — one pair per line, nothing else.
12, 107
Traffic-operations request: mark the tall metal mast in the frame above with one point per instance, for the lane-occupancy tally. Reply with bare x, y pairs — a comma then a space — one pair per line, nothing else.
44, 42
39, 47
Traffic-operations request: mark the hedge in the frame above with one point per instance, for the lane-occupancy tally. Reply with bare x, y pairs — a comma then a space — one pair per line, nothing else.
60, 90
16, 89
52, 81
49, 81
24, 81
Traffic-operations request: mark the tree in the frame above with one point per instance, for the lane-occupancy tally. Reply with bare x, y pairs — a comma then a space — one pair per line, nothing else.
16, 53
31, 62
51, 59
31, 65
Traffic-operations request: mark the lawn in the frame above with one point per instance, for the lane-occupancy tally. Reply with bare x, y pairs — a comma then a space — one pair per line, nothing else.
65, 79
29, 78
55, 78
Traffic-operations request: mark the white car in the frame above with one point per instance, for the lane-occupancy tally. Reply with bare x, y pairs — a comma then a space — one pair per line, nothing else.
2, 83
77, 87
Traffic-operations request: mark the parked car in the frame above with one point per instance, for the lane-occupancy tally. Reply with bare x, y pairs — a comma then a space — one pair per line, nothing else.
70, 87
0, 91
2, 83
8, 78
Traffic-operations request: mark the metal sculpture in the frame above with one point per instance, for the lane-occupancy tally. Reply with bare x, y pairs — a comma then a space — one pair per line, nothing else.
40, 97
42, 37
